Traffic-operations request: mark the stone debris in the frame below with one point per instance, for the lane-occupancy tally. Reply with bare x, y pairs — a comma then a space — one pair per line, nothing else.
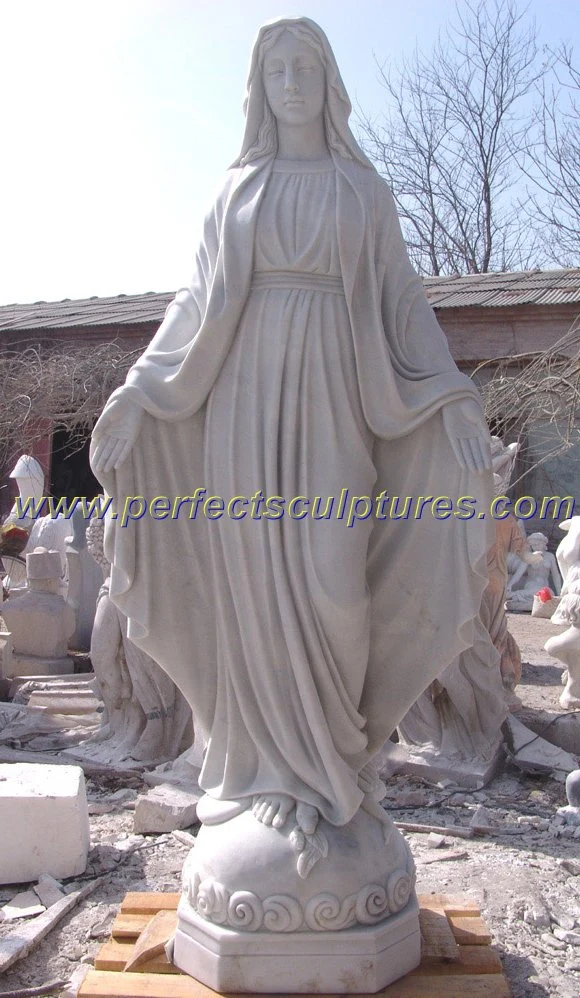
573, 788
538, 916
562, 918
24, 905
76, 981
571, 866
435, 841
444, 857
481, 819
571, 938
533, 754
185, 838
48, 890
549, 940
165, 808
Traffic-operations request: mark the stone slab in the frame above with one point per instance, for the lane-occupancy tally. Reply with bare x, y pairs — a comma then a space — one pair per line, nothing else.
359, 960
32, 665
532, 753
45, 823
473, 775
165, 808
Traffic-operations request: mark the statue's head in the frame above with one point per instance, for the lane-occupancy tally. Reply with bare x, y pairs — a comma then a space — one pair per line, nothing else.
538, 541
299, 45
28, 469
293, 76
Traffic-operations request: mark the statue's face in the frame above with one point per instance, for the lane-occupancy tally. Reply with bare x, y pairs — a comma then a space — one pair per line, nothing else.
294, 81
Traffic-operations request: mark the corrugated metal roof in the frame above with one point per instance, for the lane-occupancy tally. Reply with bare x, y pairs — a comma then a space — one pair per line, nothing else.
124, 310
535, 287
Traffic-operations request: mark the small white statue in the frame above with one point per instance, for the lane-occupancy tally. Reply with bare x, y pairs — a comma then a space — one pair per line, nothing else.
533, 577
566, 647
568, 553
40, 621
51, 532
147, 719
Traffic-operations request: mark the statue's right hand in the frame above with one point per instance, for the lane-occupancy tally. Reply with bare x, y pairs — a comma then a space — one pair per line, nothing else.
115, 432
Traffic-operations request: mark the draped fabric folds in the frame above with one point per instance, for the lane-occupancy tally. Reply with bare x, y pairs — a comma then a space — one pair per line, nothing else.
300, 643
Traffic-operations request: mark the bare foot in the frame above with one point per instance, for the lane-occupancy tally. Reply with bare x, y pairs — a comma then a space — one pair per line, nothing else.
272, 809
370, 782
306, 817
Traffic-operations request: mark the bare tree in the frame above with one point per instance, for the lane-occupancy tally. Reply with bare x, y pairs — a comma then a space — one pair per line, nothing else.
552, 161
446, 143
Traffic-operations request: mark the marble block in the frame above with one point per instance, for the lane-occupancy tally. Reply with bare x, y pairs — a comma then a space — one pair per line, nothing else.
45, 822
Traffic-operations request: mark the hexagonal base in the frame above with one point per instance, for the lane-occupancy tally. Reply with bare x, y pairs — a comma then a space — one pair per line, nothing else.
358, 960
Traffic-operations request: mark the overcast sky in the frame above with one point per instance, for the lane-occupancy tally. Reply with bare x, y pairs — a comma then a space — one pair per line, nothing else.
118, 118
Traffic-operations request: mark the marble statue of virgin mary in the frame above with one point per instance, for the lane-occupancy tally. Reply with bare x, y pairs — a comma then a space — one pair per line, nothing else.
303, 360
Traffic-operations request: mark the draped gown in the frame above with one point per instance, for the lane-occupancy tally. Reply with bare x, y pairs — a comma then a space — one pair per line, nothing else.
302, 360
285, 417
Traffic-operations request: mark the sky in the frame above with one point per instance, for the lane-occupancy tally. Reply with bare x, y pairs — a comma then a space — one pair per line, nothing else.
119, 117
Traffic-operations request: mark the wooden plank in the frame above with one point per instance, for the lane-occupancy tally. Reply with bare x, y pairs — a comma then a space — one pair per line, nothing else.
99, 984
150, 903
152, 941
127, 926
470, 931
437, 939
471, 960
104, 984
455, 986
449, 904
113, 955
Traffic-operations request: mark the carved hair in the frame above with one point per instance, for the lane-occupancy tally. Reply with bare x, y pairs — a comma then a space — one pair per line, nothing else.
261, 135
568, 610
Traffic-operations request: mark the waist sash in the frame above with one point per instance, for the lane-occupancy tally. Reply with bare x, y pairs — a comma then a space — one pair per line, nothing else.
294, 280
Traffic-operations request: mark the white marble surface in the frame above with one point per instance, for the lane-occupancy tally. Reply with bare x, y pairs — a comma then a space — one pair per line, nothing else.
566, 648
302, 361
45, 822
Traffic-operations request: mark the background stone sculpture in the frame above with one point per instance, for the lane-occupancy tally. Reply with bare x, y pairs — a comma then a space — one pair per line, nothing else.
457, 721
147, 720
50, 532
568, 554
566, 647
530, 578
39, 619
85, 579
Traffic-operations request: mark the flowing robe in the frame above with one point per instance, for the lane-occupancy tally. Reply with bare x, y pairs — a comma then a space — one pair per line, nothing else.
299, 715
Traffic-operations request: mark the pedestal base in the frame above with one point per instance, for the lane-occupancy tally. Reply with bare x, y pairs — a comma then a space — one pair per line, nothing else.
364, 959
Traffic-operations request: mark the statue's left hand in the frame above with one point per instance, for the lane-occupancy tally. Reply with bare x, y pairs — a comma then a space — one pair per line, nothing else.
468, 434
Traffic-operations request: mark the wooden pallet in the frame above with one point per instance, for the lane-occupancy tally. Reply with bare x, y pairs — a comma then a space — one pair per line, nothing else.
457, 959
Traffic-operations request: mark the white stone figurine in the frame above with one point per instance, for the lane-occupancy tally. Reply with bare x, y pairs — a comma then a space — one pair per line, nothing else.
568, 554
566, 648
454, 730
147, 719
301, 370
51, 532
533, 577
40, 621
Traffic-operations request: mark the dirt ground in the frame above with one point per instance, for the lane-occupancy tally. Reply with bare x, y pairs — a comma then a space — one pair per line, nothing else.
525, 876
